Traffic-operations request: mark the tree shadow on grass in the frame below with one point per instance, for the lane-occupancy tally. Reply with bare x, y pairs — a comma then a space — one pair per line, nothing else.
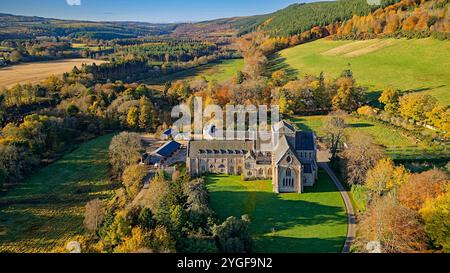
287, 222
276, 62
281, 244
361, 125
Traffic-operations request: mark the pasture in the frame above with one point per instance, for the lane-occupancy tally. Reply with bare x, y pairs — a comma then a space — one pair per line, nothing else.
217, 71
47, 209
396, 144
38, 71
419, 65
312, 222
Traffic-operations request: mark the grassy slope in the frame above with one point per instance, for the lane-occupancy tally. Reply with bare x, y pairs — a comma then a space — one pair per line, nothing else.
311, 222
220, 71
47, 208
397, 145
421, 65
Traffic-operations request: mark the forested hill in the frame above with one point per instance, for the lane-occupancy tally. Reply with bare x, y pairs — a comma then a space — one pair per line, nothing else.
355, 18
29, 27
301, 17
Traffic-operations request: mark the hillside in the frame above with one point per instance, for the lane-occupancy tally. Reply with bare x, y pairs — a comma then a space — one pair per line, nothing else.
418, 64
301, 17
28, 27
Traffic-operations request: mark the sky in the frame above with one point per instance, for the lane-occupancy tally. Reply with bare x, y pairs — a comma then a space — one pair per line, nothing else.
155, 11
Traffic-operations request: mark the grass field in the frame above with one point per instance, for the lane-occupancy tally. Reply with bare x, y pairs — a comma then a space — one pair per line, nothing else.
81, 46
38, 71
220, 71
314, 221
420, 65
47, 209
397, 145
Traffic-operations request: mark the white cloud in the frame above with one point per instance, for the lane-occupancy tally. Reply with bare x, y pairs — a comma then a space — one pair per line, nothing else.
73, 2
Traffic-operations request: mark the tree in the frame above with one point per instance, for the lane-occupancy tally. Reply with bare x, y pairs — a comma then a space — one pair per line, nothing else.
132, 117
15, 56
360, 156
125, 149
132, 179
197, 202
147, 114
279, 78
117, 231
439, 117
94, 215
394, 226
334, 128
137, 242
157, 191
416, 106
390, 98
421, 187
348, 97
436, 215
234, 236
385, 176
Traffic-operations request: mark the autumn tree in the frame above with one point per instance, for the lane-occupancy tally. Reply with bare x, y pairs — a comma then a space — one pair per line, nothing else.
334, 128
132, 117
137, 242
279, 78
125, 149
132, 179
348, 97
423, 186
94, 215
157, 191
385, 176
147, 116
416, 106
436, 216
439, 117
390, 98
394, 226
361, 155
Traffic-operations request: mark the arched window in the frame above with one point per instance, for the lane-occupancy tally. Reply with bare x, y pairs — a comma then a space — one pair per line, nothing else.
269, 171
261, 172
289, 159
288, 173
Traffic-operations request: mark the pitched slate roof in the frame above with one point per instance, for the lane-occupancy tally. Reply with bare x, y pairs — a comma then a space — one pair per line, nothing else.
282, 148
282, 124
168, 148
168, 132
304, 141
224, 147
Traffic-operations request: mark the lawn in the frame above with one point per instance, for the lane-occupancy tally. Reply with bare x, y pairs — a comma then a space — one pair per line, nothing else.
397, 145
312, 222
416, 64
219, 71
47, 209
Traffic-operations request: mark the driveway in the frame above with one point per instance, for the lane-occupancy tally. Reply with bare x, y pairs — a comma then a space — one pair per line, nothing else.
351, 218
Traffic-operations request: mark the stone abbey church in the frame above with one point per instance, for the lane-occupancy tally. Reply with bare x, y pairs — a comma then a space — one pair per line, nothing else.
291, 162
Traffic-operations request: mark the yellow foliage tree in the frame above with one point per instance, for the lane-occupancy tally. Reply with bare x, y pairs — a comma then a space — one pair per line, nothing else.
436, 215
385, 176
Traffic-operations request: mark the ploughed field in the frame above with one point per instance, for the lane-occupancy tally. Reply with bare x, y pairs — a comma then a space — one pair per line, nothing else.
38, 71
